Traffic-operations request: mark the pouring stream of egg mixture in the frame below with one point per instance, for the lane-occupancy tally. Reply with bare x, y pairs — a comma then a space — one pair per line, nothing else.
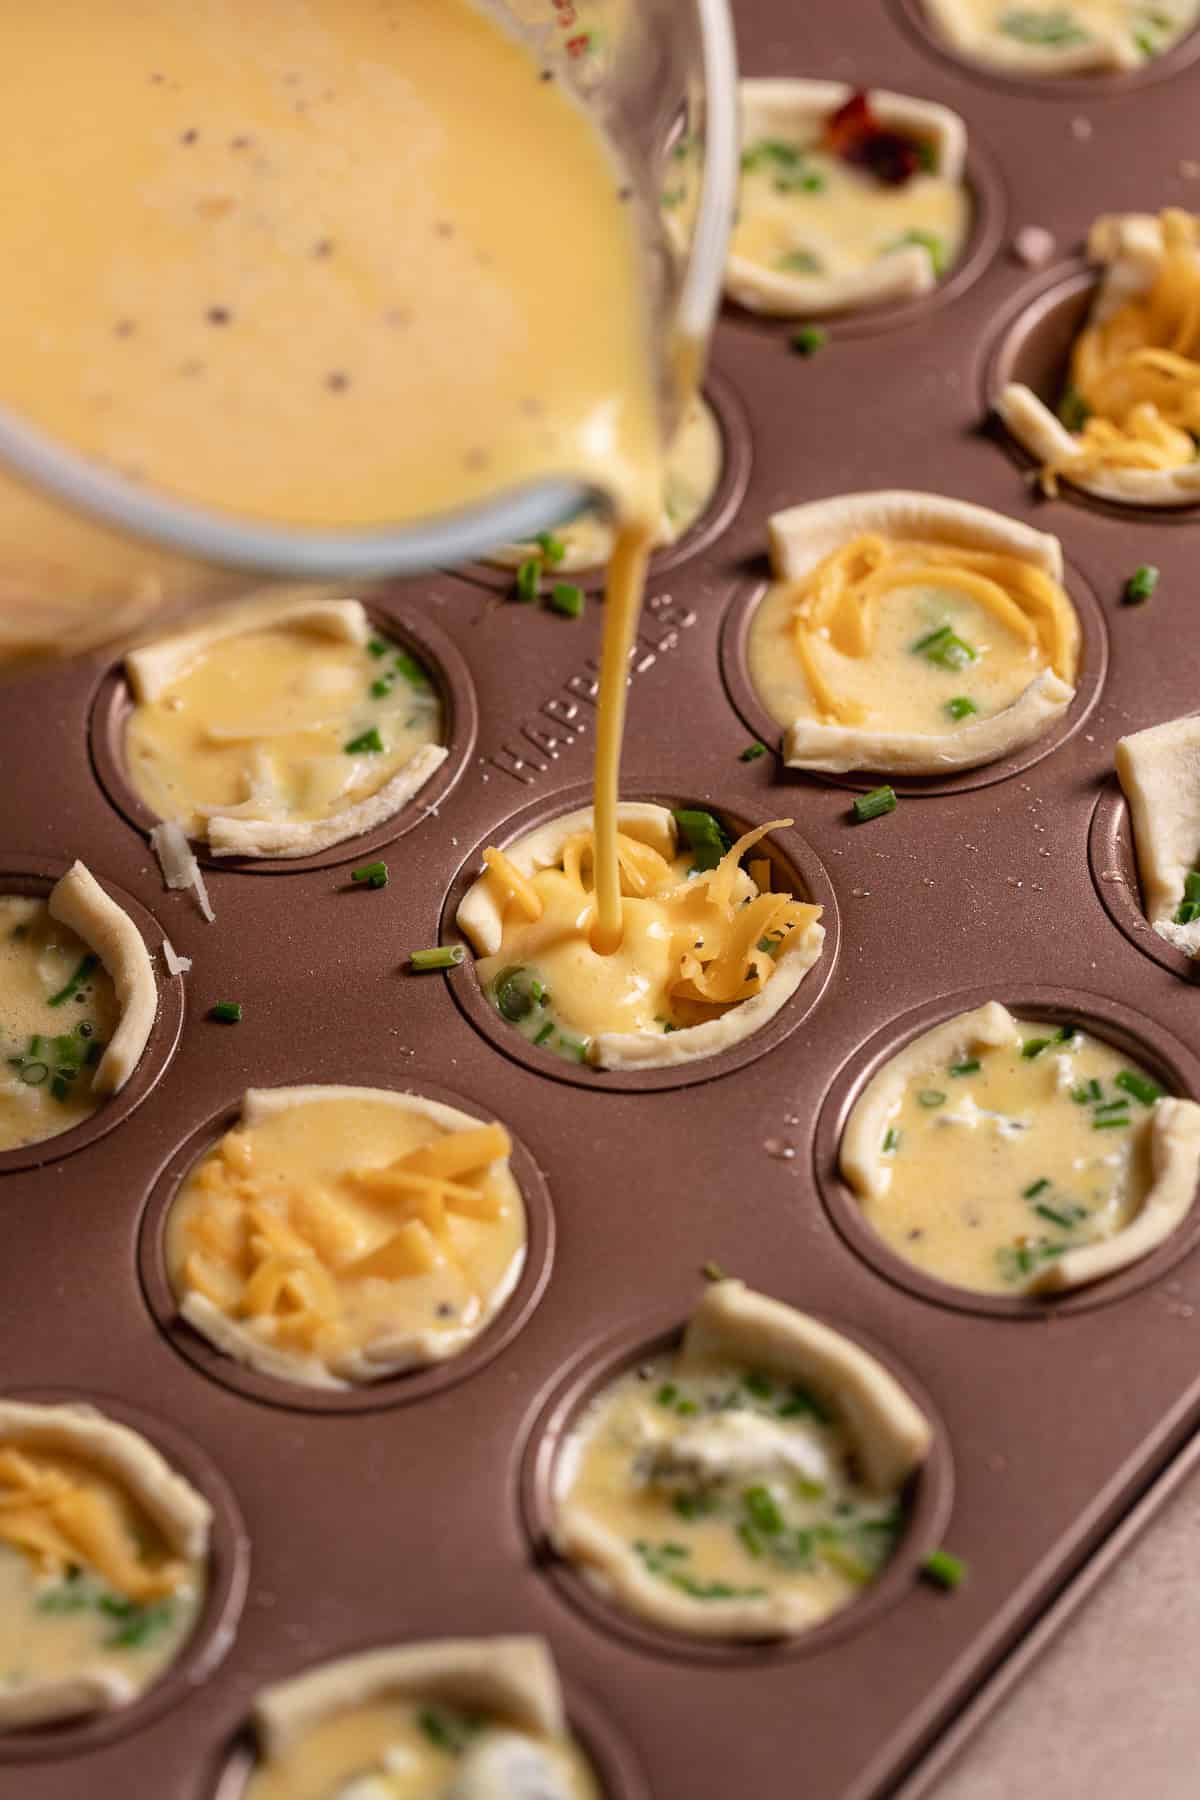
282, 267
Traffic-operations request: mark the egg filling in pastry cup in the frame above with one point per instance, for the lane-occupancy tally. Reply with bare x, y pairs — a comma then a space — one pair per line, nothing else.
1127, 427
709, 953
1063, 37
338, 1235
455, 1719
1159, 772
1014, 1156
281, 727
103, 1563
909, 634
77, 1004
747, 1484
848, 198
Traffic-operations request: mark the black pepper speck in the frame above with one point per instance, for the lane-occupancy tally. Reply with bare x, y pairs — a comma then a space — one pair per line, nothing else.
190, 137
338, 382
218, 315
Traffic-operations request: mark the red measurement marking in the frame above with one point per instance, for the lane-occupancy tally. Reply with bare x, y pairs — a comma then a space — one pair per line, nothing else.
577, 46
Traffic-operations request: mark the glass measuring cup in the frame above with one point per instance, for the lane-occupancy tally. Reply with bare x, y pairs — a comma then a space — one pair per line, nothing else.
86, 553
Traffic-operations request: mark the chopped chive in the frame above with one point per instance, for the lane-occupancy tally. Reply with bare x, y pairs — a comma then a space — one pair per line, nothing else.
800, 262
763, 1510
552, 548
924, 240
943, 1569
1142, 1089
374, 874
703, 835
752, 752
1095, 1091
1141, 584
1112, 1106
931, 1097
945, 648
1034, 1046
1110, 1124
444, 956
77, 980
758, 1384
31, 1074
961, 707
667, 1394
1191, 885
1187, 912
366, 741
808, 340
1073, 410
972, 1066
687, 1409
226, 1012
413, 671
379, 690
529, 579
1035, 1188
874, 805
751, 1541
546, 1032
567, 599
376, 647
572, 1047
891, 1140
1080, 1096
1065, 1220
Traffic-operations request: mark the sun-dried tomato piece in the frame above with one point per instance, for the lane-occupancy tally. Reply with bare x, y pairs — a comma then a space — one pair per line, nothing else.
855, 134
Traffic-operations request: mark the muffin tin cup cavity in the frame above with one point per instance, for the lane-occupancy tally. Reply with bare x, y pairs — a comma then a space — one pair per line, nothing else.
213, 1636
1089, 682
1169, 1061
36, 876
989, 217
928, 1500
1033, 346
415, 632
1085, 88
722, 509
1115, 874
613, 1762
797, 867
390, 1390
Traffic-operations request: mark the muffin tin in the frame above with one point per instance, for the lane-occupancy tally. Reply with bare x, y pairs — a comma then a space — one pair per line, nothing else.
418, 1508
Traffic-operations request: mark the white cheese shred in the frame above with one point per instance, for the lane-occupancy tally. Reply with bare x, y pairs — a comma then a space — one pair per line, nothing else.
176, 964
178, 863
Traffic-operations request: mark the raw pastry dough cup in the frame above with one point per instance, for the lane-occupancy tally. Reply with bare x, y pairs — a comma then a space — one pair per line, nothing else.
777, 108
1175, 1066
1113, 863
38, 877
827, 523
929, 1497
1028, 369
213, 1633
413, 629
388, 1390
800, 872
529, 1676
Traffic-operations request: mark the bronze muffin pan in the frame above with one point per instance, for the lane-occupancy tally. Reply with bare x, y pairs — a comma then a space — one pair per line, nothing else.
419, 1509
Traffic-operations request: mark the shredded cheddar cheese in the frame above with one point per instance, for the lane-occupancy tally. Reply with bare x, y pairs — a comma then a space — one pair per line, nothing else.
327, 1244
512, 883
63, 1515
1137, 373
836, 607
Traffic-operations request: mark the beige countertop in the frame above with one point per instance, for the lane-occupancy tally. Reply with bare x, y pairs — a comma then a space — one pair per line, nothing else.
1111, 1711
